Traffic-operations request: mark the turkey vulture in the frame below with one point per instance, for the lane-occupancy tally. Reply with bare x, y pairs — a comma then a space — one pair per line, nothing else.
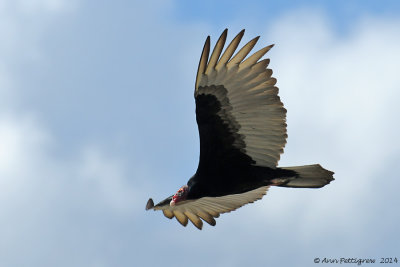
242, 128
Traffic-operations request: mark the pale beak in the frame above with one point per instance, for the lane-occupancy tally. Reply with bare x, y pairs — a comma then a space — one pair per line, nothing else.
172, 203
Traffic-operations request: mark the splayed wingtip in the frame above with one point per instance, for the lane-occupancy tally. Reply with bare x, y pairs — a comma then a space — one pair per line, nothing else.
150, 204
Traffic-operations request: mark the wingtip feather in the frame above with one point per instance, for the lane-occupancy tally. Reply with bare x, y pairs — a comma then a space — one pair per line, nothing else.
216, 52
243, 52
150, 204
230, 50
203, 61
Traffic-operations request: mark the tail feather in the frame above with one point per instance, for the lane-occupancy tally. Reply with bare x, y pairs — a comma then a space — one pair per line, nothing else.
309, 176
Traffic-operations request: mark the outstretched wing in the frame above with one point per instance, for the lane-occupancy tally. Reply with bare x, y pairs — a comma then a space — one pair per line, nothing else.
206, 208
239, 113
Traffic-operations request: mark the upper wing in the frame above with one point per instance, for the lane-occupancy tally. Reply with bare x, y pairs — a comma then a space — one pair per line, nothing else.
206, 208
238, 110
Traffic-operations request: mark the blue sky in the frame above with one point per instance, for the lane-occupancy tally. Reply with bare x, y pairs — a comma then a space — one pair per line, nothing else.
97, 115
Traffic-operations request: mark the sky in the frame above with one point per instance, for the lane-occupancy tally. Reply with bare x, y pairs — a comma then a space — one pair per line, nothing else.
97, 115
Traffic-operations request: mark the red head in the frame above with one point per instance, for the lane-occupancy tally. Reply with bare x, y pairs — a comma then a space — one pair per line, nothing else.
180, 195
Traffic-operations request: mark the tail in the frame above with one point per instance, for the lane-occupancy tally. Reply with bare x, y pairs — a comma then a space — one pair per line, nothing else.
308, 176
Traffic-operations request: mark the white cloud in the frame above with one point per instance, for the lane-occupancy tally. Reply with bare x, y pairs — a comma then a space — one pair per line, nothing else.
105, 175
41, 6
22, 143
22, 24
46, 197
342, 87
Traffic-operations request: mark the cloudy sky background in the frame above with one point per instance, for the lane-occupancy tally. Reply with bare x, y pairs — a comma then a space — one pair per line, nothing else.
97, 115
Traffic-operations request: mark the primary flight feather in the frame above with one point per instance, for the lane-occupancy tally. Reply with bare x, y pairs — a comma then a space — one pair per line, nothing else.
242, 128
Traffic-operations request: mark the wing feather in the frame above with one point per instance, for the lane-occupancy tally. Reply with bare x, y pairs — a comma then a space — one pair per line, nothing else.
255, 57
216, 52
207, 217
243, 52
238, 109
194, 219
203, 62
169, 214
249, 100
208, 208
180, 216
230, 50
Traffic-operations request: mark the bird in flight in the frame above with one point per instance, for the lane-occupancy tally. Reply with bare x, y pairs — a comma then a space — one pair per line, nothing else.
242, 128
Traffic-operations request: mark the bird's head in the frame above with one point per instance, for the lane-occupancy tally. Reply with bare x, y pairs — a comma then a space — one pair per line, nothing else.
180, 195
